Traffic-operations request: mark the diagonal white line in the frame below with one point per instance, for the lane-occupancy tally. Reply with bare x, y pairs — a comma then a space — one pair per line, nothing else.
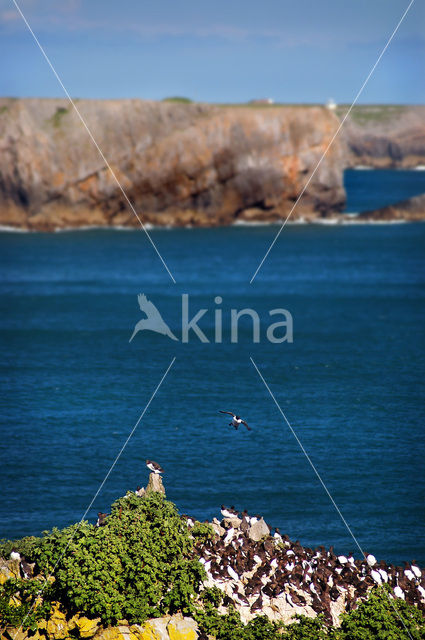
322, 483
308, 458
99, 489
360, 91
94, 141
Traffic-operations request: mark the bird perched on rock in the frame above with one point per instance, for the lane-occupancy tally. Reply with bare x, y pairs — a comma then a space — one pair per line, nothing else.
229, 513
236, 420
154, 466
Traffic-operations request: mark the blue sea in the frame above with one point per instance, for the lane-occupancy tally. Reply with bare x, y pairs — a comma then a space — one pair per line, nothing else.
351, 384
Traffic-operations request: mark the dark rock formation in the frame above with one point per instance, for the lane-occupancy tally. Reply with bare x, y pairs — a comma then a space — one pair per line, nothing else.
411, 210
179, 164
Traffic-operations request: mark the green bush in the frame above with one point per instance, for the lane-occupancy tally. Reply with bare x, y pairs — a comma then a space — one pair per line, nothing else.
304, 628
202, 531
231, 627
379, 618
26, 613
138, 565
24, 546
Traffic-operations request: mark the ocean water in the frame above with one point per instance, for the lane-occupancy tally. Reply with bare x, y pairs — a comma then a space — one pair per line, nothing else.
351, 383
372, 189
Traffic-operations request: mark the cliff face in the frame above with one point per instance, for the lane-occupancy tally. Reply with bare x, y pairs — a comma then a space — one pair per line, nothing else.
179, 164
384, 136
188, 164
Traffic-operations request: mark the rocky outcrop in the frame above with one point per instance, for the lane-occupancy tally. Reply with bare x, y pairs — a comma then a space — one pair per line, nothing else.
384, 136
155, 483
180, 164
258, 529
412, 209
57, 627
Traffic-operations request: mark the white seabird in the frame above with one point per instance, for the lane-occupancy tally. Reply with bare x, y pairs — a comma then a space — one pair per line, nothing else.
154, 466
371, 560
416, 571
236, 420
232, 573
228, 513
399, 593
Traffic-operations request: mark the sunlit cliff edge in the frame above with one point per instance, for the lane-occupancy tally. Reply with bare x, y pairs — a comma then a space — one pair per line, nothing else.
188, 164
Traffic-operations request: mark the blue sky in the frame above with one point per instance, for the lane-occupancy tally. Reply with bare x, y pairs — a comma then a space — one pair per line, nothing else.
221, 51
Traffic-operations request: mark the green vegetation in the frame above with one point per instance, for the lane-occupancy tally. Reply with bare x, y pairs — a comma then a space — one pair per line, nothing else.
4, 109
180, 99
141, 564
230, 626
56, 118
23, 611
382, 618
24, 546
304, 628
138, 565
376, 113
379, 618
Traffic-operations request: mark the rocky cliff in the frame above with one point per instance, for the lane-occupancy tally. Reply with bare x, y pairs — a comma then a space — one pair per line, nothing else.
188, 164
179, 163
384, 136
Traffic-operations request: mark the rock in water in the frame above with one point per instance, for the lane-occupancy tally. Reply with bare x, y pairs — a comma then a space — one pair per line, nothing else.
258, 530
155, 483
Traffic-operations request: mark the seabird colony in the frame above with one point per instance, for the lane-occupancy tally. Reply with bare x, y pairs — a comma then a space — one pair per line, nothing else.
261, 573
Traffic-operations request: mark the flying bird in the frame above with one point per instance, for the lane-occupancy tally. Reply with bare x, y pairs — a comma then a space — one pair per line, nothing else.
154, 466
153, 320
236, 420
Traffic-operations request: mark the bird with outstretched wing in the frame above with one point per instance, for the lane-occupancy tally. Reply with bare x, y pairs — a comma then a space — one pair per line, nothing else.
236, 420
